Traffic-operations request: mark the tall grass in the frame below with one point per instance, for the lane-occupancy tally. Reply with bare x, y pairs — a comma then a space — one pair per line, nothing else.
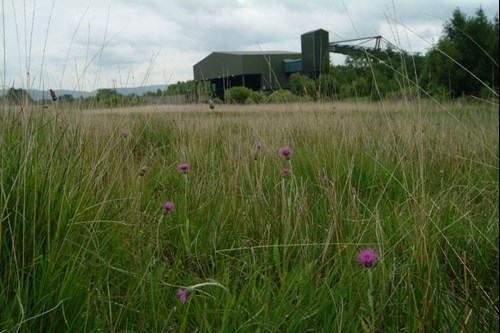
85, 245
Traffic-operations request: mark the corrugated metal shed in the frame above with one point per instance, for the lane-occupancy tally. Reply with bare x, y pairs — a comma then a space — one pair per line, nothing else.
263, 70
255, 70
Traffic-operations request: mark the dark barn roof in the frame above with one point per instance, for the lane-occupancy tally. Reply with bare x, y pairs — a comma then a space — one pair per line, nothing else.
219, 64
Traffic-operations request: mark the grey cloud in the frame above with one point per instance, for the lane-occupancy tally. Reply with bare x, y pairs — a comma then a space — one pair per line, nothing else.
187, 31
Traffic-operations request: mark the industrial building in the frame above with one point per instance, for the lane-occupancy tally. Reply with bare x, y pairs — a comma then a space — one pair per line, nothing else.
262, 70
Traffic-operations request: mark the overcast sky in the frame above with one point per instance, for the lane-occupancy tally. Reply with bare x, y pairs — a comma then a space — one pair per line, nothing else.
90, 44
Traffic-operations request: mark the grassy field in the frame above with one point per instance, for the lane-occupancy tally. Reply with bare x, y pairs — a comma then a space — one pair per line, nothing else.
87, 245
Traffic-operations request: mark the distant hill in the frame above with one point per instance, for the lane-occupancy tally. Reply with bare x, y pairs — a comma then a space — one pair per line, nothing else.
38, 95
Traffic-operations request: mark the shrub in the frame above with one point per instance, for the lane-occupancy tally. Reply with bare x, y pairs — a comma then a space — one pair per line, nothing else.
238, 95
302, 85
255, 98
283, 96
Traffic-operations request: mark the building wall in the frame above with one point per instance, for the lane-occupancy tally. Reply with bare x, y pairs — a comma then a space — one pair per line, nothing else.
314, 46
271, 68
226, 69
255, 70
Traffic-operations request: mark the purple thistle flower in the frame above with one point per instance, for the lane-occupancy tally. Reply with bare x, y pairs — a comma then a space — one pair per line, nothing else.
285, 172
183, 294
168, 207
324, 180
367, 257
125, 133
257, 150
184, 167
286, 151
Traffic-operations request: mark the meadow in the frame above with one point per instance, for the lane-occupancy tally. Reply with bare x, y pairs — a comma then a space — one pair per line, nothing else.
254, 238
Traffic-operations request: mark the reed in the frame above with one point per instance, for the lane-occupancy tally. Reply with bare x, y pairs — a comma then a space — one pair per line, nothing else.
85, 243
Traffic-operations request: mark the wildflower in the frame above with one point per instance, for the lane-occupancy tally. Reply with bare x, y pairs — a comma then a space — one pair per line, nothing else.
183, 294
247, 242
367, 257
168, 207
142, 171
285, 172
53, 95
324, 180
441, 173
257, 150
354, 193
184, 167
125, 133
211, 104
286, 151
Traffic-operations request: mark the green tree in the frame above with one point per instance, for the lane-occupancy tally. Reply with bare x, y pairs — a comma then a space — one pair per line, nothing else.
190, 87
302, 85
465, 59
327, 85
18, 96
376, 73
108, 98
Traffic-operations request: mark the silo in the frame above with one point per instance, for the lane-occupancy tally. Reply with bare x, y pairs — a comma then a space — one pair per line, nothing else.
314, 47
